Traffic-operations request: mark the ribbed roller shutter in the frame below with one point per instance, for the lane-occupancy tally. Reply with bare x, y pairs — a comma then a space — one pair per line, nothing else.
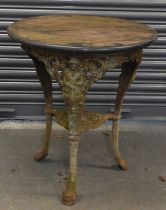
20, 91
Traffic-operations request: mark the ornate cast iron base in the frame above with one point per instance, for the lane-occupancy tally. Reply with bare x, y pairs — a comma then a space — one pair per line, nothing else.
87, 120
75, 74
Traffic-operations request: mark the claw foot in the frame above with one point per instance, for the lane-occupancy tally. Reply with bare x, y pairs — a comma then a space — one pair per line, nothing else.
68, 198
40, 156
123, 164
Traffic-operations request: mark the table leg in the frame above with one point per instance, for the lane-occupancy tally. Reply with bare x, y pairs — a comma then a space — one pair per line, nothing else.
46, 83
69, 195
126, 77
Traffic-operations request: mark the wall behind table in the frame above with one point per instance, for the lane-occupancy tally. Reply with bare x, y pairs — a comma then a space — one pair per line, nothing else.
20, 92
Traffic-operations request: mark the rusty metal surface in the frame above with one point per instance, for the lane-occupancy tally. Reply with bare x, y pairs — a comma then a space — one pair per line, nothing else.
75, 74
88, 120
81, 32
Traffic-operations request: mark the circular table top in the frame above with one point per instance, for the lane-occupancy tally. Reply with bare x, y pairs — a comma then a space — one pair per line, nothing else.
82, 33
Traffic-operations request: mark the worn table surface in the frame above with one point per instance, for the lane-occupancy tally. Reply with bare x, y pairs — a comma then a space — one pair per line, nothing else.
83, 33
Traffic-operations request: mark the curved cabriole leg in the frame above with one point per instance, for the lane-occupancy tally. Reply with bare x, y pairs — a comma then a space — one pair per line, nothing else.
69, 195
115, 142
46, 84
126, 77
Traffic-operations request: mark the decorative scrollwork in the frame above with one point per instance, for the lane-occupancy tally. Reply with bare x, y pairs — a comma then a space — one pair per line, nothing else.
75, 76
75, 73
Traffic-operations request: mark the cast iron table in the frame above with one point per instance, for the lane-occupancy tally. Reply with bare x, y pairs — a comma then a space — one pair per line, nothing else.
76, 51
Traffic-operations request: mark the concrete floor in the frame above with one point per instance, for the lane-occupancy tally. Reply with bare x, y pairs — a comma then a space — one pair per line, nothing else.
26, 185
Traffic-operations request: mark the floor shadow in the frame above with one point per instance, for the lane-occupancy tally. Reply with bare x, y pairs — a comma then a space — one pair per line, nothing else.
50, 161
113, 167
116, 168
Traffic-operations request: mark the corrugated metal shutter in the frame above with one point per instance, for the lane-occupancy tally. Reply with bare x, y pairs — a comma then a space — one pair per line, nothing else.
20, 91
